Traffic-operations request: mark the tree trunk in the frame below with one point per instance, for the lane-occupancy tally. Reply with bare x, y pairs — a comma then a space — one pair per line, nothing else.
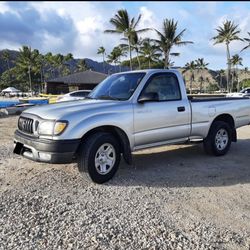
120, 67
232, 79
138, 60
30, 80
149, 64
238, 84
220, 82
43, 84
103, 63
191, 83
41, 72
200, 85
243, 82
228, 69
130, 55
166, 63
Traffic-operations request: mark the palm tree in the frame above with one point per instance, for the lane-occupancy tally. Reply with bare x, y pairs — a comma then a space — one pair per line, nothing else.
201, 65
49, 61
102, 50
246, 72
191, 66
221, 74
235, 61
123, 24
41, 66
120, 51
60, 61
6, 58
113, 57
150, 51
117, 53
82, 66
136, 44
66, 62
246, 40
27, 61
227, 33
169, 38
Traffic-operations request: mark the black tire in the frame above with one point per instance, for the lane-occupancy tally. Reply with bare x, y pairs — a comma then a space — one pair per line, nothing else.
88, 152
213, 146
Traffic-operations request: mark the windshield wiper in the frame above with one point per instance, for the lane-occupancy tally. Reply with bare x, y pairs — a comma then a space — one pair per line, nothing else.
108, 97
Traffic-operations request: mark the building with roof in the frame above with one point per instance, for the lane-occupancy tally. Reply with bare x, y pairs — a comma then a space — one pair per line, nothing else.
77, 81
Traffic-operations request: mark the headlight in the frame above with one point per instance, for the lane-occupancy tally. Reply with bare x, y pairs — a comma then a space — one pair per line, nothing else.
46, 128
51, 127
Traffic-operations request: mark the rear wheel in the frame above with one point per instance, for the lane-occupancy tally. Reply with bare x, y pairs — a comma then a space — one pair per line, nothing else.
219, 138
99, 157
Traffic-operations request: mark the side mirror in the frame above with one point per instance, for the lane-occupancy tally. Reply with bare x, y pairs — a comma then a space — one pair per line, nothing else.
148, 97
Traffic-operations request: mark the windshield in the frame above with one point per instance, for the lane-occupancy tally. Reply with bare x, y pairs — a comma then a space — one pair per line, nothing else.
117, 87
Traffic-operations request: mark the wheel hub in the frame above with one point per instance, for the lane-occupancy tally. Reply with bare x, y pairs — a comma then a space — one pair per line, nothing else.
221, 139
105, 158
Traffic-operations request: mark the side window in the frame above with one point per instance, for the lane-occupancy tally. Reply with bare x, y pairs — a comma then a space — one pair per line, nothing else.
73, 94
82, 94
79, 94
166, 86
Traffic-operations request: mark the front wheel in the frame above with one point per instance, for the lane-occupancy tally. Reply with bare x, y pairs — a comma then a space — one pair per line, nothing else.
219, 138
99, 157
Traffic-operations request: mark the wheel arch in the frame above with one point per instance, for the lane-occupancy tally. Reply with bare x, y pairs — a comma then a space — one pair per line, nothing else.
119, 134
227, 118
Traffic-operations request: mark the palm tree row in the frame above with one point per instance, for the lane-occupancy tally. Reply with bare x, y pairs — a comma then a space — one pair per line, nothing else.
33, 67
228, 33
235, 61
162, 46
199, 65
167, 39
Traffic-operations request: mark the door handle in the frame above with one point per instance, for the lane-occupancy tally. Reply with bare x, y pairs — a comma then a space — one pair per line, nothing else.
181, 109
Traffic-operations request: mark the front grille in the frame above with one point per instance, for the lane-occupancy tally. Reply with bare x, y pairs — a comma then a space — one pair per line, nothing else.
26, 125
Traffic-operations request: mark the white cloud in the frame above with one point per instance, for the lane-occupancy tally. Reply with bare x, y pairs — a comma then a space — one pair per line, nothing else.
90, 19
52, 42
148, 20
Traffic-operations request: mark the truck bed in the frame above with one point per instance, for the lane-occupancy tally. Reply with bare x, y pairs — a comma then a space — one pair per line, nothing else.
210, 99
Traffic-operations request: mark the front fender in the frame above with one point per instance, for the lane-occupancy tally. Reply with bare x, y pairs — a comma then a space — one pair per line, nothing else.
79, 128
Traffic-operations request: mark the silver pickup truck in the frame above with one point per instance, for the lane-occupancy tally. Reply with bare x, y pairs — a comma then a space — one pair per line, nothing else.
128, 111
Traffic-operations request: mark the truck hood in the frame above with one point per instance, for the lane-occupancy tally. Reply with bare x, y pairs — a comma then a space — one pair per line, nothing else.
60, 110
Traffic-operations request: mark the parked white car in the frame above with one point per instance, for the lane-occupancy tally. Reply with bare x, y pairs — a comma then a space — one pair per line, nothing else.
75, 95
243, 93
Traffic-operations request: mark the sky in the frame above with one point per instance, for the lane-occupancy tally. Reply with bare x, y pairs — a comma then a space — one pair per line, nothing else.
78, 27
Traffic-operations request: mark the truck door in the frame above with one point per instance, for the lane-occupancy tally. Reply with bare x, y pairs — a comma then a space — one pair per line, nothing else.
165, 119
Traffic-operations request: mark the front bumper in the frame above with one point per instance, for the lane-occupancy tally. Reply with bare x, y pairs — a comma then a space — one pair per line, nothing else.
45, 150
